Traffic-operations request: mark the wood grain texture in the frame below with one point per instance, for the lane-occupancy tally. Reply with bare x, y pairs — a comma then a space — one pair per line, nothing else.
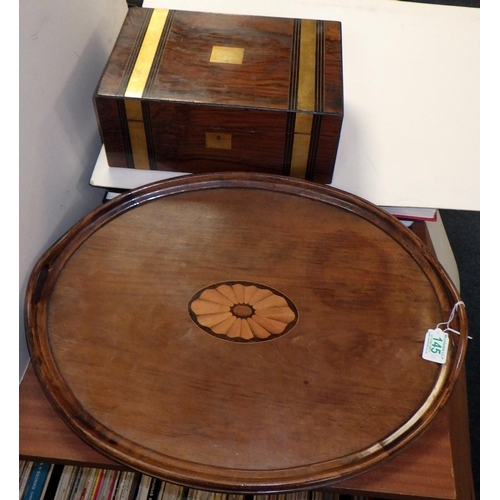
284, 66
436, 455
117, 352
44, 436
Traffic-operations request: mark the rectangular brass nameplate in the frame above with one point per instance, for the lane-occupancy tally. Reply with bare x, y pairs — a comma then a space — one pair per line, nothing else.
227, 55
217, 140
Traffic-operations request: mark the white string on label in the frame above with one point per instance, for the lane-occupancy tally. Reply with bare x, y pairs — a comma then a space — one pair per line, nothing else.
450, 319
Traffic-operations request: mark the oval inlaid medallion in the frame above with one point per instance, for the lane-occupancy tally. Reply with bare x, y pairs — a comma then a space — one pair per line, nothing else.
243, 311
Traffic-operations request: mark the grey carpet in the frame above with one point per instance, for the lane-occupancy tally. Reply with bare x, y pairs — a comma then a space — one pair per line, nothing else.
462, 228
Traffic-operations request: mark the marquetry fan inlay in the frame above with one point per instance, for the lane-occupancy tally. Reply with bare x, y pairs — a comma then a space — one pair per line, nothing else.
243, 311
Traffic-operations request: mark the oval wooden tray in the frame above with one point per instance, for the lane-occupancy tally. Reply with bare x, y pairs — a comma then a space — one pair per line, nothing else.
242, 332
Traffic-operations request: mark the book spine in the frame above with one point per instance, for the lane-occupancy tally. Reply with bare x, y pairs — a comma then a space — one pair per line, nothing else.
204, 495
89, 484
119, 486
36, 481
128, 486
154, 489
163, 485
23, 482
98, 483
112, 485
46, 483
174, 492
221, 496
53, 483
74, 484
108, 486
142, 493
22, 465
136, 477
81, 484
65, 482
191, 494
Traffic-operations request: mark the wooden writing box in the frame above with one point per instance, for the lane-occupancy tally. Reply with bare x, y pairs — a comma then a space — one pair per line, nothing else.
196, 92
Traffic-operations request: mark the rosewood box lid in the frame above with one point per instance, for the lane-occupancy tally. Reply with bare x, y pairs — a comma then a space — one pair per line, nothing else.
252, 80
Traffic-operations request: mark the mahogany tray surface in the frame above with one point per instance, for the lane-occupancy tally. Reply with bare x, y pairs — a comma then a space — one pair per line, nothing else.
242, 332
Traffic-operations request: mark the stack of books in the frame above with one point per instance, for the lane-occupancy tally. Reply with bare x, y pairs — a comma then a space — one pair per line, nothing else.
408, 215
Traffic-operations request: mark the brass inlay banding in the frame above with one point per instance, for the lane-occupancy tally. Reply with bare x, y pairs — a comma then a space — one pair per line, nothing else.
242, 311
136, 85
142, 67
135, 122
300, 155
307, 66
306, 95
303, 123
